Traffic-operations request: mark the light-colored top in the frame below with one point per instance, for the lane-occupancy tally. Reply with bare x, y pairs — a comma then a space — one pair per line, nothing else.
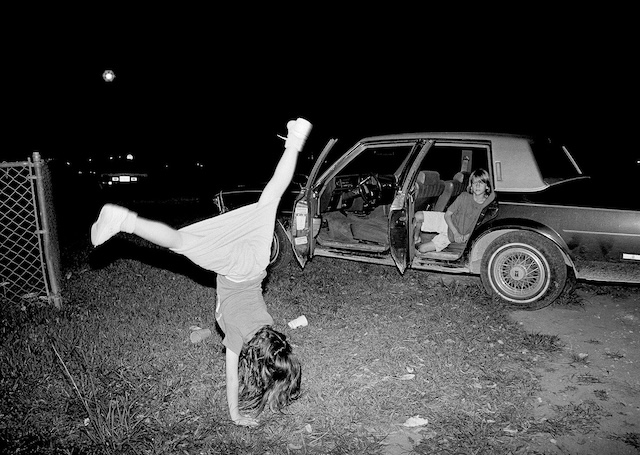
241, 310
465, 212
236, 244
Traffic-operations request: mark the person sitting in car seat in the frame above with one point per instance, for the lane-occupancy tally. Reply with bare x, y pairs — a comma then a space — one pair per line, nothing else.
459, 220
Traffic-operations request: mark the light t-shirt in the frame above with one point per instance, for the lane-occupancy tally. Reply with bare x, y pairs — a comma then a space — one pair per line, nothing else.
241, 310
236, 244
465, 212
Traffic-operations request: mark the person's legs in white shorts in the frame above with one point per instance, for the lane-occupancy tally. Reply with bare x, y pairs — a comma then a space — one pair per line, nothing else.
434, 222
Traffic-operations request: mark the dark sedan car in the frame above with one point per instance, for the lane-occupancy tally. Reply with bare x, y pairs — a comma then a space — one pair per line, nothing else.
541, 234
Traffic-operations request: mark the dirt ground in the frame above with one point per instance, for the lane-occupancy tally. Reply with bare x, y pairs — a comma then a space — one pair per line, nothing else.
594, 382
592, 385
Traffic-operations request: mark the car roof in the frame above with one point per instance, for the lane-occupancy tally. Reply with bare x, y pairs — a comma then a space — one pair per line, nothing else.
447, 135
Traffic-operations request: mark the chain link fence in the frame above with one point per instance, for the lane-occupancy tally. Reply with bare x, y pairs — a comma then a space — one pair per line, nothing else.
29, 250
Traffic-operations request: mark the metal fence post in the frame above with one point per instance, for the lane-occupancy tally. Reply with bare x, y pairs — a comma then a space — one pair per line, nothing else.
48, 229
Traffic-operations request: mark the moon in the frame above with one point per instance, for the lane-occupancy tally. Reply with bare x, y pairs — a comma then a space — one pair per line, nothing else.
108, 76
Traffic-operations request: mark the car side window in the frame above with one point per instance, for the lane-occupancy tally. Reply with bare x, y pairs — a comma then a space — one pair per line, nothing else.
450, 159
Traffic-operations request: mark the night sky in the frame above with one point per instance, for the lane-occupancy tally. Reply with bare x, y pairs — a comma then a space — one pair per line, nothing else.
198, 93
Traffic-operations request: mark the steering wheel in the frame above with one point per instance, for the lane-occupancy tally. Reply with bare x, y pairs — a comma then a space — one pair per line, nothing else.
370, 189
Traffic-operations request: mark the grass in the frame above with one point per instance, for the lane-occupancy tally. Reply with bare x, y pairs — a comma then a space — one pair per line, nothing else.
580, 418
614, 355
114, 371
632, 439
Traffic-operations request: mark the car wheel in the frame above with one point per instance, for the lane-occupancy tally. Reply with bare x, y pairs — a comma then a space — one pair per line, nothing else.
523, 269
281, 252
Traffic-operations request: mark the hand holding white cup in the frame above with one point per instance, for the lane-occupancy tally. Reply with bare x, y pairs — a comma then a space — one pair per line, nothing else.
300, 321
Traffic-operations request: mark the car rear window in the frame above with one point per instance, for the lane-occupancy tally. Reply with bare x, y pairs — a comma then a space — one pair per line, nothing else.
554, 161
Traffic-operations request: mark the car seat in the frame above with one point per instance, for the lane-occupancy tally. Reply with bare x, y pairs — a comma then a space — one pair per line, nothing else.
452, 189
429, 188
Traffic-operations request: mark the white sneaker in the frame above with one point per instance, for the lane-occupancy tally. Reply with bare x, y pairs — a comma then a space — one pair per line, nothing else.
298, 132
108, 224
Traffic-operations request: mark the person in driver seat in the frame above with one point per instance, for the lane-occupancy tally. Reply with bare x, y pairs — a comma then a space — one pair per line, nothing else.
459, 220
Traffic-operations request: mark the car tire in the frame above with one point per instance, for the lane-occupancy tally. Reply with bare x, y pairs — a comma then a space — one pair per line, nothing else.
523, 269
281, 252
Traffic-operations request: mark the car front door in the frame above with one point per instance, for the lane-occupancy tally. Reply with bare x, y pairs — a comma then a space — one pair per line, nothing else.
304, 209
401, 215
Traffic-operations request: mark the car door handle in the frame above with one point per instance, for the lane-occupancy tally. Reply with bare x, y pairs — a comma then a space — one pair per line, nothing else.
498, 169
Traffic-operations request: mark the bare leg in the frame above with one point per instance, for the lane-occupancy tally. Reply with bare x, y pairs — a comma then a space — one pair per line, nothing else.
114, 219
159, 233
417, 226
298, 132
281, 177
426, 247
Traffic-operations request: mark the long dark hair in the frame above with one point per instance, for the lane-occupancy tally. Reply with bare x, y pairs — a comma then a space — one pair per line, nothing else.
269, 373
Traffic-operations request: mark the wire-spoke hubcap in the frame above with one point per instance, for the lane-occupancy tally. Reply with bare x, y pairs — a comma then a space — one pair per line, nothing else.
519, 273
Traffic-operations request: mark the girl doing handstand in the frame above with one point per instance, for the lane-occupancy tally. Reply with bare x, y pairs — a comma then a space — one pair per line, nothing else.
261, 370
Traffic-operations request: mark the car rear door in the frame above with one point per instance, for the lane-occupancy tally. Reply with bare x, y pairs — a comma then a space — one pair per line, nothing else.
401, 214
305, 208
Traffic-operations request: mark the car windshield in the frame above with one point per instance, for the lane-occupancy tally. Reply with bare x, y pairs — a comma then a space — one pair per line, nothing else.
554, 160
380, 159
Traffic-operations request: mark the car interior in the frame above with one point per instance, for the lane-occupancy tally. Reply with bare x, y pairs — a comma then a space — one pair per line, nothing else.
354, 206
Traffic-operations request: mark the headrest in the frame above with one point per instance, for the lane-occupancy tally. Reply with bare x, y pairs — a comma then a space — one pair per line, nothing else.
459, 177
428, 177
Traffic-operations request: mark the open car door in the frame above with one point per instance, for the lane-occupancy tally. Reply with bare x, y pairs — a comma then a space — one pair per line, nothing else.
305, 209
401, 214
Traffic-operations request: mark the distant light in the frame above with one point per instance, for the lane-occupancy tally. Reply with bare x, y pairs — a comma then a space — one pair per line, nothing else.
108, 76
130, 157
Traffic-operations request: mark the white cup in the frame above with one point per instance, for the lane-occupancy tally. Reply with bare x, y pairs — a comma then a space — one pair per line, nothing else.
299, 322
